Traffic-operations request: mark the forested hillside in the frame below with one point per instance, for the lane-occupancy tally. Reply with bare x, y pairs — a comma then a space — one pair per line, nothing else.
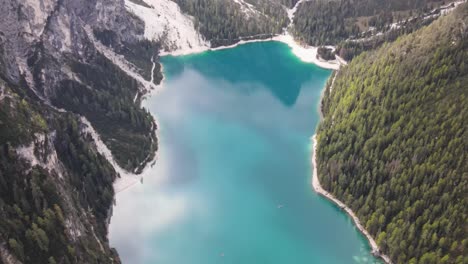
393, 142
225, 22
68, 67
323, 22
55, 190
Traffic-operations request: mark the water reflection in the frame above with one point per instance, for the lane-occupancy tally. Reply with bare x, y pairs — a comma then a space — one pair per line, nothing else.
256, 63
234, 145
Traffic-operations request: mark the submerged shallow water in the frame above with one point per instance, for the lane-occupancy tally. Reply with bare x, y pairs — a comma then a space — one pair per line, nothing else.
233, 180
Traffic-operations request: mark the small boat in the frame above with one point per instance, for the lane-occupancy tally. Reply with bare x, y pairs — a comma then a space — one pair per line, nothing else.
280, 206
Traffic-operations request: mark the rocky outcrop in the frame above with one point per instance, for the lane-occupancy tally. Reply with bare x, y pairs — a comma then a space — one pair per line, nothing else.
61, 62
55, 30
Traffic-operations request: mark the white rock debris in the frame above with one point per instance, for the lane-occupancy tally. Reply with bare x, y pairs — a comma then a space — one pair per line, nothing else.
246, 8
47, 159
292, 11
126, 178
39, 11
6, 256
166, 23
63, 23
27, 153
120, 61
74, 232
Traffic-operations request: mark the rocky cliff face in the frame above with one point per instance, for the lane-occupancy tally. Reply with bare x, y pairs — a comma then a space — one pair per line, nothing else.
62, 63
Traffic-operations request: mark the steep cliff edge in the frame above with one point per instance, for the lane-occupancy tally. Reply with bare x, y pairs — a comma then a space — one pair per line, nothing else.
64, 63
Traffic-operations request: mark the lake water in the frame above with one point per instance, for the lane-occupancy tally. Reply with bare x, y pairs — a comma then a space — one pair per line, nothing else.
232, 183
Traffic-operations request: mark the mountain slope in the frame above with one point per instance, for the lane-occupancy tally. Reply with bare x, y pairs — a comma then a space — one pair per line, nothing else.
185, 26
68, 68
359, 25
225, 22
166, 24
321, 22
55, 189
392, 144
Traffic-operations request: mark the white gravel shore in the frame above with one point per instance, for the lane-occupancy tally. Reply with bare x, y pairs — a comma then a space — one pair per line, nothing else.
318, 188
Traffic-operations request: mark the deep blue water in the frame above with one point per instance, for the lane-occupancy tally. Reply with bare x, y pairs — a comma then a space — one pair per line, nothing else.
233, 180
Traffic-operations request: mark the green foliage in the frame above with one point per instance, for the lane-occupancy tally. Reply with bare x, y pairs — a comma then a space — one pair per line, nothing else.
349, 49
55, 188
127, 129
93, 175
324, 22
35, 202
325, 53
393, 142
34, 229
17, 119
38, 237
52, 260
17, 248
223, 21
138, 53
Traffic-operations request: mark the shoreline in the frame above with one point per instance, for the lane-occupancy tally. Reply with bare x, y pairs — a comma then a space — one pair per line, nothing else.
304, 53
319, 190
128, 179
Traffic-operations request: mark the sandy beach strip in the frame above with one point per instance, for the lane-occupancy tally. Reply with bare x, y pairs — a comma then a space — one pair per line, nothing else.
305, 53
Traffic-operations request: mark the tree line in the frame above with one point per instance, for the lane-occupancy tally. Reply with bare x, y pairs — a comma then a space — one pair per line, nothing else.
392, 144
224, 22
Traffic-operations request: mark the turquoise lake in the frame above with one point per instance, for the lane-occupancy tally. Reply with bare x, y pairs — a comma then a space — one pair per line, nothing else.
232, 183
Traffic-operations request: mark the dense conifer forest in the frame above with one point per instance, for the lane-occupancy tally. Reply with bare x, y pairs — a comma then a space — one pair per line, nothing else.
392, 144
320, 22
352, 26
38, 205
223, 22
124, 126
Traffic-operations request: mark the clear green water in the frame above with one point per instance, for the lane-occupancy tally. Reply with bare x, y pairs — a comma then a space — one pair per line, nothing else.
233, 180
